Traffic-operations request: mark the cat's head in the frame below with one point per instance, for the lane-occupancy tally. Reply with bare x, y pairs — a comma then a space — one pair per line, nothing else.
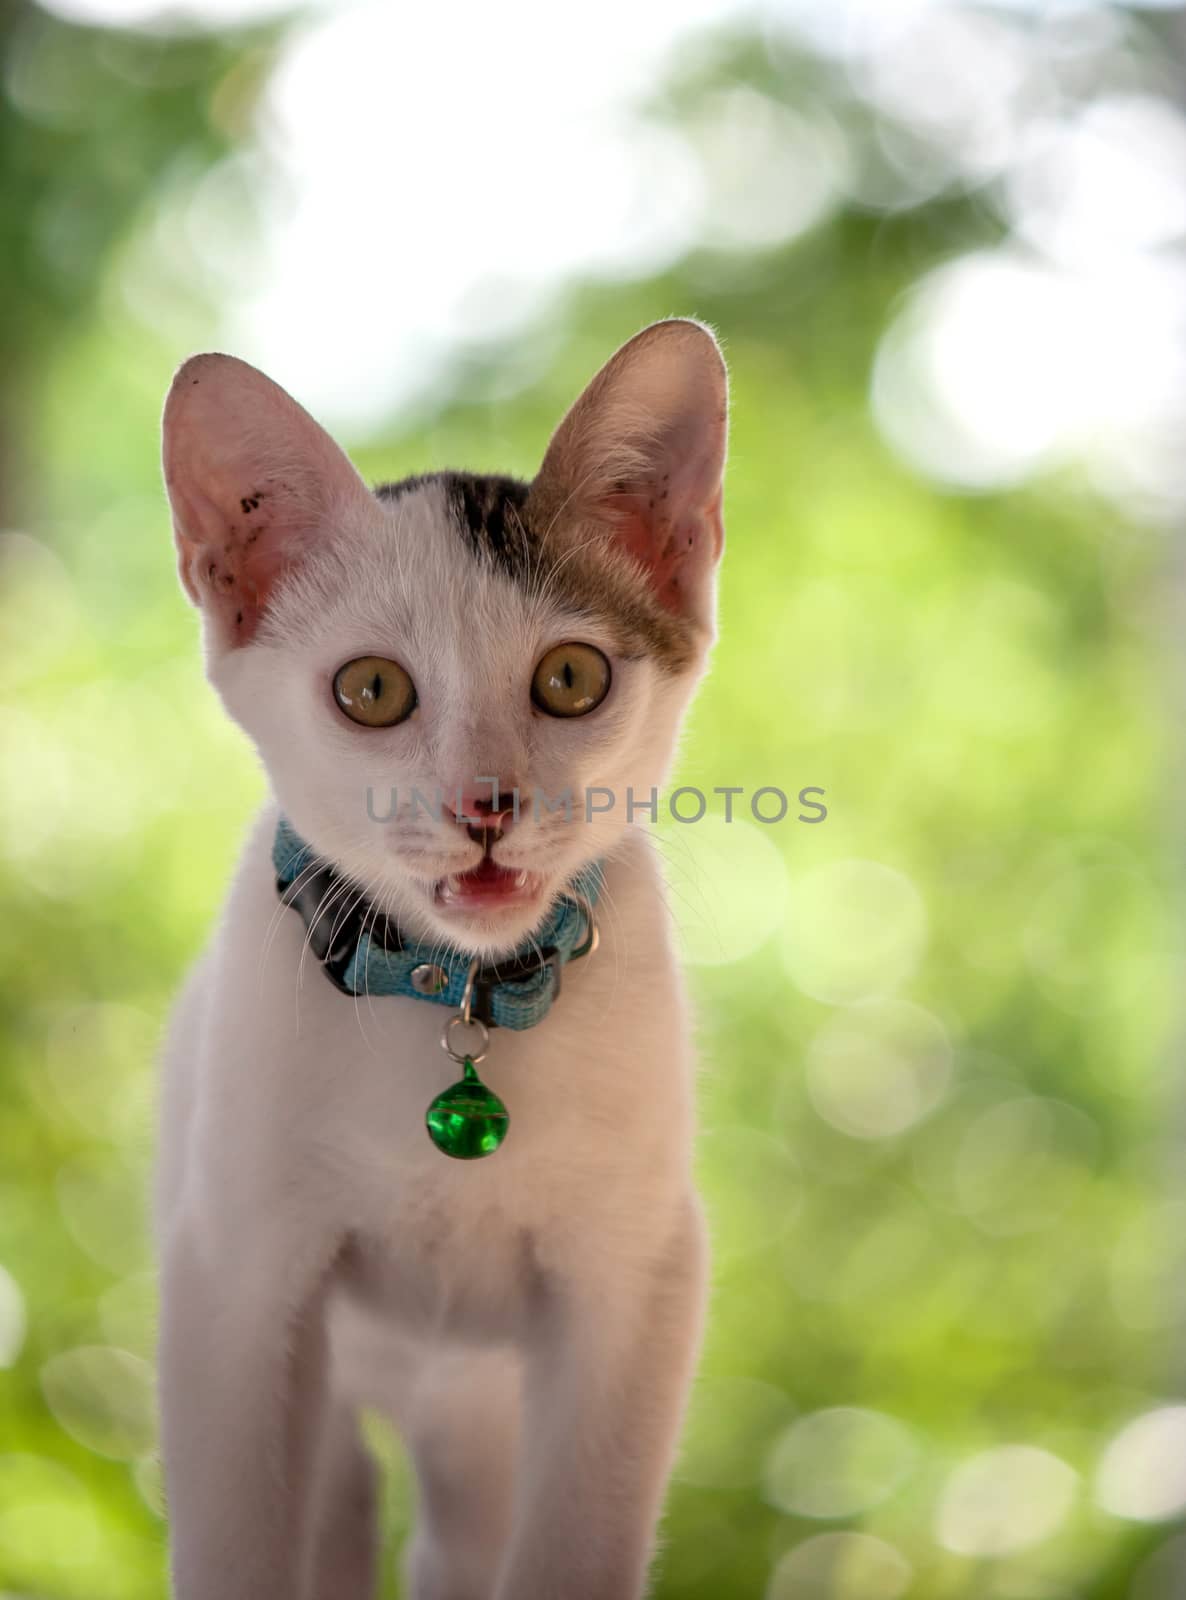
453, 629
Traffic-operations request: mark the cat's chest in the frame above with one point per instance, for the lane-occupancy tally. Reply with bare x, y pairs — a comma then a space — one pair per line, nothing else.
472, 1246
473, 1273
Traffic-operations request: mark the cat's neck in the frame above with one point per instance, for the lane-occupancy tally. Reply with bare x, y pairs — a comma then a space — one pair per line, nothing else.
363, 951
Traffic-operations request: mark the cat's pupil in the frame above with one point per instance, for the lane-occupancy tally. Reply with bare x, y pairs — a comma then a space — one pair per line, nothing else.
569, 676
376, 686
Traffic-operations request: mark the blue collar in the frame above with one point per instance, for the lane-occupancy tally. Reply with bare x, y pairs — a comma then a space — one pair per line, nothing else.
364, 953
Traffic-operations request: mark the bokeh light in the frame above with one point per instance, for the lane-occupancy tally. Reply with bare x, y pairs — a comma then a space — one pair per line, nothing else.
1004, 1500
876, 1068
104, 1398
13, 1319
838, 1463
841, 1566
856, 929
1024, 1162
1143, 1471
727, 886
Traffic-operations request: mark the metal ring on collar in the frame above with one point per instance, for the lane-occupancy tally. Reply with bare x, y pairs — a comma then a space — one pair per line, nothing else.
465, 1055
585, 906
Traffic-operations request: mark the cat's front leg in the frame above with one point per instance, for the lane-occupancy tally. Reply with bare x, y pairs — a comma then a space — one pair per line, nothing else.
604, 1390
243, 1394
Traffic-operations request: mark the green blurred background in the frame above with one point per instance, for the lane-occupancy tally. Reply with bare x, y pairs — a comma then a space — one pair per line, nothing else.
943, 1118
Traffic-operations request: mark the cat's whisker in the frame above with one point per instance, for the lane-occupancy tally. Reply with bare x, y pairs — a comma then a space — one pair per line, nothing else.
549, 577
619, 940
276, 921
702, 914
332, 893
693, 873
336, 892
276, 924
369, 923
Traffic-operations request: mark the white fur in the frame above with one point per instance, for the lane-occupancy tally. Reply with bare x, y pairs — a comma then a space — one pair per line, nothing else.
530, 1320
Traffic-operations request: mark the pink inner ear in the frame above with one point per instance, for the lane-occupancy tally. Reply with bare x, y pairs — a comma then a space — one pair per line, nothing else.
252, 480
642, 452
675, 544
230, 560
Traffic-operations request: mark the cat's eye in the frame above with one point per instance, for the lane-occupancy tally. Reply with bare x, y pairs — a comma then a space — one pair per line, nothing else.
374, 691
570, 680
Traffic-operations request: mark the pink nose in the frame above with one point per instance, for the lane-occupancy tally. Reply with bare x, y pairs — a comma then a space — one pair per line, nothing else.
477, 810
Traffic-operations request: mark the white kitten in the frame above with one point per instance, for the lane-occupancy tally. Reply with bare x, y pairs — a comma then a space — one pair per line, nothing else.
530, 1320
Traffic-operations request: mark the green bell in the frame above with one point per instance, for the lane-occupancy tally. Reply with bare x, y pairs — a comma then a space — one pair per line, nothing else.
467, 1120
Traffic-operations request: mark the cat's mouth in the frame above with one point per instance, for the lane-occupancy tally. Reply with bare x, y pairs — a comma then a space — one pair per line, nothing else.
486, 887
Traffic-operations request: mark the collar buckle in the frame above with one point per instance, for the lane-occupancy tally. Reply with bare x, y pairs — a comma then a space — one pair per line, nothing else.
488, 979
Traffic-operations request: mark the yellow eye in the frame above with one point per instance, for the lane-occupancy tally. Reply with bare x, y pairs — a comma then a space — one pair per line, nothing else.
375, 692
571, 680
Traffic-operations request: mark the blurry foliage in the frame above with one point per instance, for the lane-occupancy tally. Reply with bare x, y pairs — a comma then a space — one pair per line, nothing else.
936, 1085
93, 123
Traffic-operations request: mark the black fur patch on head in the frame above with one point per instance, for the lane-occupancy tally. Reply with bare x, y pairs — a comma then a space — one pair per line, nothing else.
489, 515
497, 525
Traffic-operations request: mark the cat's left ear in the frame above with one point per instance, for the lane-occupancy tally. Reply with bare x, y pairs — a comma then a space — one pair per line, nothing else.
253, 483
642, 454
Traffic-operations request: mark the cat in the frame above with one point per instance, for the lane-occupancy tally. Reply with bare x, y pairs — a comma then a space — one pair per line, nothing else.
524, 1298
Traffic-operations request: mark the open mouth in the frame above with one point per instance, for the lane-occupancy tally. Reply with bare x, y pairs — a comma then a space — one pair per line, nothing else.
486, 887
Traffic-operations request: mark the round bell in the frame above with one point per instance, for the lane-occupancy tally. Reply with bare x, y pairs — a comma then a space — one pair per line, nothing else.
467, 1120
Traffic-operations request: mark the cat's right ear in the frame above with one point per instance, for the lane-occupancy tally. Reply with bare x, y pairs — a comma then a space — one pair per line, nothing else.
639, 460
252, 481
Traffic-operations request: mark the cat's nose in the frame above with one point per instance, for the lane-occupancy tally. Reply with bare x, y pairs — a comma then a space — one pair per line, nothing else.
484, 818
